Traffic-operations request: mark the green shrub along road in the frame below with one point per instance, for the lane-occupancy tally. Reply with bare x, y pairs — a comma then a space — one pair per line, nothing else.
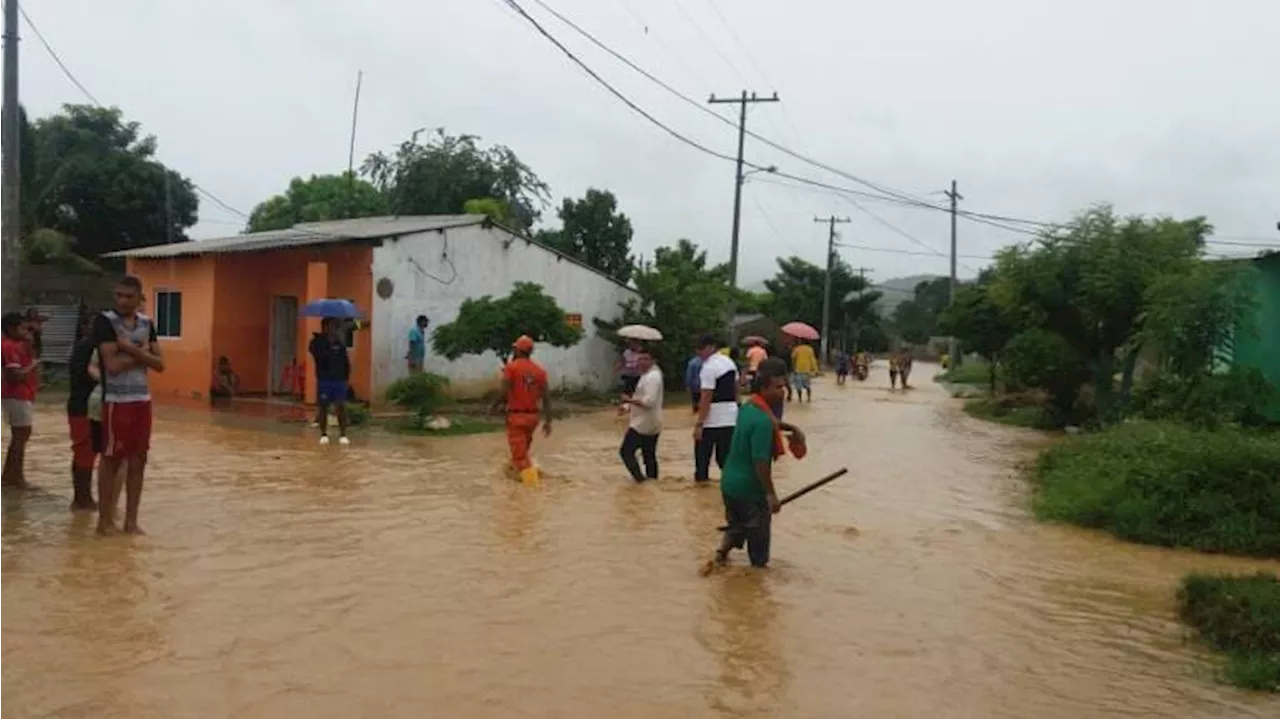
1167, 484
1239, 616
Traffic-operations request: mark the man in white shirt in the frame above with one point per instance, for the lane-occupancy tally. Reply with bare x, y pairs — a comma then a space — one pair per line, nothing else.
646, 419
717, 408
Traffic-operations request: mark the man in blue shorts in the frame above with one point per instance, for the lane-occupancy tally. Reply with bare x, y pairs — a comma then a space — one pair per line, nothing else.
333, 372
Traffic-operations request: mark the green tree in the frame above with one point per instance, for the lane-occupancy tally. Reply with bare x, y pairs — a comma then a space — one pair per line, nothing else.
54, 249
94, 177
683, 297
596, 233
1086, 282
916, 319
485, 324
439, 176
798, 288
981, 324
496, 210
315, 199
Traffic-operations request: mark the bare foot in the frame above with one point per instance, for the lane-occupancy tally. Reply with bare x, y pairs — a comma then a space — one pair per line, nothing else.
108, 529
19, 485
134, 530
83, 505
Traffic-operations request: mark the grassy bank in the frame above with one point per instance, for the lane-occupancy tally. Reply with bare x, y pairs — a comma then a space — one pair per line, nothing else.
975, 372
1239, 616
1010, 410
1167, 484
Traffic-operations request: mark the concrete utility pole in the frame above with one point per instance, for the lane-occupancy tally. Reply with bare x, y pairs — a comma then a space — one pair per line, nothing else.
826, 291
10, 234
742, 102
862, 289
954, 194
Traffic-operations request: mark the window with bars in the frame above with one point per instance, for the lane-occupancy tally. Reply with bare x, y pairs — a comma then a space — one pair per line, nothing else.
168, 314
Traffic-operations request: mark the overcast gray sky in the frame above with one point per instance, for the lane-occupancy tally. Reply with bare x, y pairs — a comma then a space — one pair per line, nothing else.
1037, 108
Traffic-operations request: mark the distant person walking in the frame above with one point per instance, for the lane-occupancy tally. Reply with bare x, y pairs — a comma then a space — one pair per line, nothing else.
333, 373
804, 365
646, 420
17, 394
128, 351
417, 355
524, 392
900, 367
717, 408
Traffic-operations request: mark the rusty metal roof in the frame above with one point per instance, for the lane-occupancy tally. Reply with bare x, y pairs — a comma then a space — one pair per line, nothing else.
306, 234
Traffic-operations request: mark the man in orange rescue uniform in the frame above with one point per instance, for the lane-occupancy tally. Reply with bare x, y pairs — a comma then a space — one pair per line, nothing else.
524, 387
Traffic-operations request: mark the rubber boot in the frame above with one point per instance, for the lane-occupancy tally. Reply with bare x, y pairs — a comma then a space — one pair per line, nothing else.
530, 476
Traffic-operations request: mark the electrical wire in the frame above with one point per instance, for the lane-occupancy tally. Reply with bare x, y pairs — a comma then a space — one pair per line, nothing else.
92, 98
897, 251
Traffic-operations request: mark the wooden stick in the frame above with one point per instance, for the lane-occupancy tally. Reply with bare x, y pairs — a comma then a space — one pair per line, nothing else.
808, 488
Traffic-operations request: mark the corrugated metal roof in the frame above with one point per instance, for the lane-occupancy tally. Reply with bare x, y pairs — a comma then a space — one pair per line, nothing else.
58, 333
307, 234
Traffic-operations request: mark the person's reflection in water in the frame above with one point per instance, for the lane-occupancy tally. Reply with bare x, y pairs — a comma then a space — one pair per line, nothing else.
742, 631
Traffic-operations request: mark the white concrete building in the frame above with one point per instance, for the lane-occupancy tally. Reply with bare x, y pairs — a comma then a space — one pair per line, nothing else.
431, 271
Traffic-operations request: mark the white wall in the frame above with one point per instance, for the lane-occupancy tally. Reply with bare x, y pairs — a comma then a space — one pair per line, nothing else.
433, 272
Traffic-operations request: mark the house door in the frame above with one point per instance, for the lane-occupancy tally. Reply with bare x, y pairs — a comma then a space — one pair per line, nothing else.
284, 344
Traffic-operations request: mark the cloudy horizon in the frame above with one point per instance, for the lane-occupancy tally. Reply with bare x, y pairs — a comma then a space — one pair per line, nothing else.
1038, 111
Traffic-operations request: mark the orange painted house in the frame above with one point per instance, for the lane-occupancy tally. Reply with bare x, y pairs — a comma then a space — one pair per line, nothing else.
239, 297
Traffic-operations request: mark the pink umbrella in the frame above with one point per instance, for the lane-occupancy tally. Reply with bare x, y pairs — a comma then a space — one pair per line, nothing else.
800, 330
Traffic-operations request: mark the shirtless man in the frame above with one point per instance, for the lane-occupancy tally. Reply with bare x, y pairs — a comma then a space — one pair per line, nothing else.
128, 350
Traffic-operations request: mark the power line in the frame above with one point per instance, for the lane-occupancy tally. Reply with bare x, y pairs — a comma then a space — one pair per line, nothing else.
612, 90
92, 98
918, 253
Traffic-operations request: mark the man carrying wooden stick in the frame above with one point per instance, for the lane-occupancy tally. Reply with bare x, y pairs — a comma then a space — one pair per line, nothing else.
746, 486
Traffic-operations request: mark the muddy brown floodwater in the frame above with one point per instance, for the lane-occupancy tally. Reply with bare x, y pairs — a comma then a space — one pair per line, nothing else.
404, 578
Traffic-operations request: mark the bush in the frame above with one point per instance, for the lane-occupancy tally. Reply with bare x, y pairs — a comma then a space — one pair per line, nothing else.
1042, 359
971, 372
1239, 616
1239, 396
1167, 484
1014, 410
358, 414
423, 393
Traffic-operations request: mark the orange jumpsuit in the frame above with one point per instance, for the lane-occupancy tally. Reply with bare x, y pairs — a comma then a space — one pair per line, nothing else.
526, 383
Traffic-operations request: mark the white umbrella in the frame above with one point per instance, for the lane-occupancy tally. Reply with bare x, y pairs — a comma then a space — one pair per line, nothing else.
639, 332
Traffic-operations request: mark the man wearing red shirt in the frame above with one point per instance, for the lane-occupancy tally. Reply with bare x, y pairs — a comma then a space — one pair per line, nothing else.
19, 393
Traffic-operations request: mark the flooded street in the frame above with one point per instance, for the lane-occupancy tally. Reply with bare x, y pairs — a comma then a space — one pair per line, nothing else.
402, 577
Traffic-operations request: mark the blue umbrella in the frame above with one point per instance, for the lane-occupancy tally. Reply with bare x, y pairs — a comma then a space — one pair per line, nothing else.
341, 309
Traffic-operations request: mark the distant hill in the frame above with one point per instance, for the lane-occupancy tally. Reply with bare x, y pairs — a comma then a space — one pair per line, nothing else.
899, 289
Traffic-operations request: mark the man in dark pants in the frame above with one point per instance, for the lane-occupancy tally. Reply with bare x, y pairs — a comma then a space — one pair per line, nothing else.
750, 500
646, 419
717, 408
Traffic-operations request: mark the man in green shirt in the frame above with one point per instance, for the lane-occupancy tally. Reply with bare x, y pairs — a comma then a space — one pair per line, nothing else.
746, 484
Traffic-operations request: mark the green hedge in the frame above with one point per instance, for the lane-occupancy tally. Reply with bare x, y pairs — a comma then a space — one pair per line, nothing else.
1167, 484
1241, 617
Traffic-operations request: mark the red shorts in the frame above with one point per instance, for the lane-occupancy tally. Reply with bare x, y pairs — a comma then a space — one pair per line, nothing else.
126, 429
86, 441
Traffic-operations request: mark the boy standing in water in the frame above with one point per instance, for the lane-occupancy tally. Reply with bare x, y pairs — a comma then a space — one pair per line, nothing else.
84, 415
19, 393
746, 486
127, 350
524, 388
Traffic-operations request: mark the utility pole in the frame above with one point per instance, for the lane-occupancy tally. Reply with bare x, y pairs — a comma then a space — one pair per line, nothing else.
10, 234
954, 194
742, 102
862, 289
826, 291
